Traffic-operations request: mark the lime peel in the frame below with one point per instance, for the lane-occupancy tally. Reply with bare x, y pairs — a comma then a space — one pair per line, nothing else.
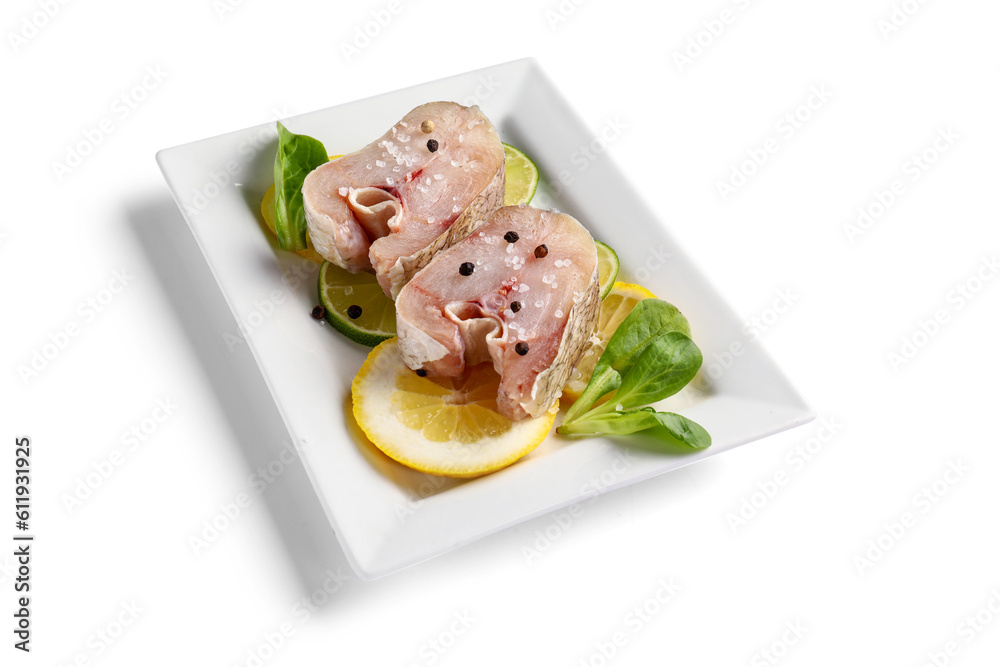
522, 177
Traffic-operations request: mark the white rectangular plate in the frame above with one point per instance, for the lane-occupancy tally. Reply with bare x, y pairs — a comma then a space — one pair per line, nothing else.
386, 516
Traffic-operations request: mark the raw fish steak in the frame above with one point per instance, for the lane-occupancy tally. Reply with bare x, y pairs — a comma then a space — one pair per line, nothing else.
521, 291
429, 181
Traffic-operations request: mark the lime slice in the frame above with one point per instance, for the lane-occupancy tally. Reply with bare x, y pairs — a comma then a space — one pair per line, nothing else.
607, 268
355, 305
522, 177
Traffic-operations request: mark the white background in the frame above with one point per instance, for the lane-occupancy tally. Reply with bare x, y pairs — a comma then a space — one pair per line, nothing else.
794, 563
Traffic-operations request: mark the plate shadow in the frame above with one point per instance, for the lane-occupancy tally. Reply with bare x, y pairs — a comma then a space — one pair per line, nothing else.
244, 400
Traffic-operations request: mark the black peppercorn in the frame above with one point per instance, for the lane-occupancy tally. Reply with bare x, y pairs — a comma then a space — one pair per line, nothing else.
354, 312
515, 306
521, 348
432, 145
421, 372
541, 251
511, 237
318, 313
467, 268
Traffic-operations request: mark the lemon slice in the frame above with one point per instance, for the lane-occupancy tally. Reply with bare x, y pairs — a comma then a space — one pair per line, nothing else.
355, 305
442, 426
607, 268
522, 177
619, 303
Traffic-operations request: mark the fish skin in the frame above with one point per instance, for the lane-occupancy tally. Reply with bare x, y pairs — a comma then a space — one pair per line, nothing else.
362, 218
446, 321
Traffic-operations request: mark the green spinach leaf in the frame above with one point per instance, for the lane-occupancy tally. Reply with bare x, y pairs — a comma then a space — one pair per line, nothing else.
667, 427
649, 319
665, 366
297, 156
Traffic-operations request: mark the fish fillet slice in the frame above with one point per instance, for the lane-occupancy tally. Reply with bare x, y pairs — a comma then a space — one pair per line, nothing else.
392, 205
550, 303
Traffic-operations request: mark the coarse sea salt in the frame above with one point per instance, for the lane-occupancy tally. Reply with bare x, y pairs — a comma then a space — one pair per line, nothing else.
401, 157
379, 163
343, 192
559, 313
523, 287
